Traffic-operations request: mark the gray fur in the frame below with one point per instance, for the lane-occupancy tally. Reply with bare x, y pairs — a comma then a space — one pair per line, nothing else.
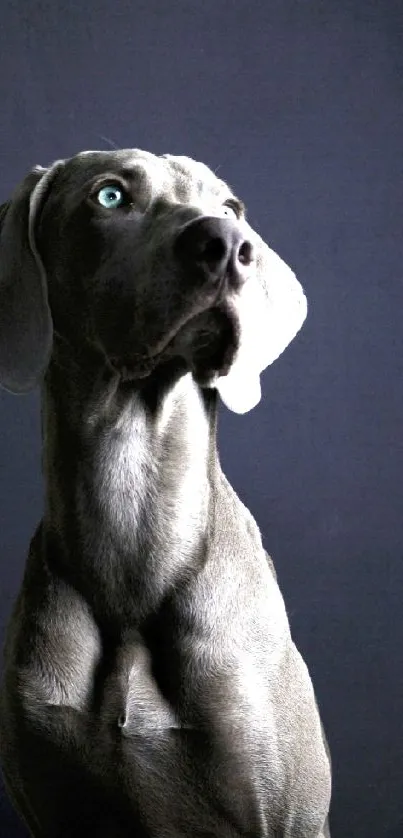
151, 686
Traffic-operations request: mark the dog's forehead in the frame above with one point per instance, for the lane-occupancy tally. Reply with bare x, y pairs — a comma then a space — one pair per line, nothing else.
168, 175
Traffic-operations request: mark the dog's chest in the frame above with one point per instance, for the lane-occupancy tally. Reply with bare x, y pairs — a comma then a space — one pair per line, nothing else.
132, 702
229, 723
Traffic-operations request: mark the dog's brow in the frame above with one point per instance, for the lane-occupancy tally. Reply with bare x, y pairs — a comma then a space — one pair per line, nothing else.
131, 172
237, 204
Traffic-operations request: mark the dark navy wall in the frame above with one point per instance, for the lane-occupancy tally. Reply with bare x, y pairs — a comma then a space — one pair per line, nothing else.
299, 104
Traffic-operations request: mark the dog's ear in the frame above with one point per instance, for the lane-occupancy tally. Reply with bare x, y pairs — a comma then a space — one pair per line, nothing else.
25, 320
271, 308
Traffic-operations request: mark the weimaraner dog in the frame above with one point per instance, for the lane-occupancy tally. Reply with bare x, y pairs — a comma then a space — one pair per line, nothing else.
151, 686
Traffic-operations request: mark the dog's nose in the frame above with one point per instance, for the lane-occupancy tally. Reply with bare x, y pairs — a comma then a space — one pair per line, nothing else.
213, 248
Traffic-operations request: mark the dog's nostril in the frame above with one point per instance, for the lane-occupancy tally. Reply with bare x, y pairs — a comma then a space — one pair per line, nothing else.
245, 253
213, 251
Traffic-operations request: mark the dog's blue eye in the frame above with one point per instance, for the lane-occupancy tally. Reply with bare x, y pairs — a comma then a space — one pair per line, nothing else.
111, 196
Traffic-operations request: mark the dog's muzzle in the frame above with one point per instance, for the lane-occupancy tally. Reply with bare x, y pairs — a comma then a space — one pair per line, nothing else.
213, 250
214, 261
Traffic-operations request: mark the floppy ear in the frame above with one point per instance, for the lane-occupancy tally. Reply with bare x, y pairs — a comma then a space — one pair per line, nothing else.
271, 308
25, 320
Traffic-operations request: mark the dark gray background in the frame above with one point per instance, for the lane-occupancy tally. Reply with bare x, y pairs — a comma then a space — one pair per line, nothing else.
300, 105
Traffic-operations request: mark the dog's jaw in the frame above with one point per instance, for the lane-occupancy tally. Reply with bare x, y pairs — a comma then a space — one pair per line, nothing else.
207, 343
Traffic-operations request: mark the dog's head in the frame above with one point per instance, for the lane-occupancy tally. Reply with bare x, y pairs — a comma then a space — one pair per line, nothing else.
144, 258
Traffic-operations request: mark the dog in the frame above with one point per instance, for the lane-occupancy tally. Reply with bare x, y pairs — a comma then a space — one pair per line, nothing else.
151, 686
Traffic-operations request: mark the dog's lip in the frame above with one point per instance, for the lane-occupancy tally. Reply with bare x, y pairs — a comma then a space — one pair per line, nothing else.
218, 362
140, 365
137, 367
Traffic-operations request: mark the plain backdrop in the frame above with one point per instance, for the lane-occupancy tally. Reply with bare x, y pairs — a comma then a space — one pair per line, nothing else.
299, 105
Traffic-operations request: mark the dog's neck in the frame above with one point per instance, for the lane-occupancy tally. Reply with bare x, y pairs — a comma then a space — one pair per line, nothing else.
127, 476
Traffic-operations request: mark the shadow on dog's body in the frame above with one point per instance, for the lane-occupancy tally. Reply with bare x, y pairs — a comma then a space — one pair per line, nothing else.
151, 684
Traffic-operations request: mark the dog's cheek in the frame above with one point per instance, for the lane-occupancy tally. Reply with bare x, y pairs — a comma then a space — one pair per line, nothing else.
112, 317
